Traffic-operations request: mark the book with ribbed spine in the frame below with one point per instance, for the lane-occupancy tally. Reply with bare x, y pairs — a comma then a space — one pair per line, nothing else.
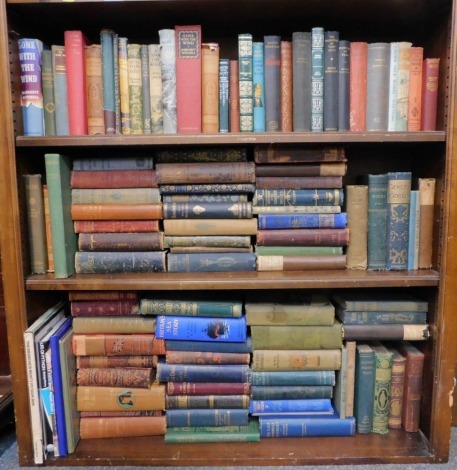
135, 88
211, 210
293, 378
94, 89
305, 236
104, 307
145, 90
127, 362
291, 392
317, 79
364, 388
301, 71
124, 86
180, 227
430, 83
299, 182
279, 221
396, 388
286, 83
383, 377
147, 241
115, 377
206, 357
116, 196
207, 188
60, 89
47, 79
107, 45
204, 308
113, 324
224, 95
201, 154
245, 78
296, 209
258, 77
168, 60
344, 61
298, 197
306, 426
155, 88
117, 92
295, 359
272, 60
186, 198
116, 226
109, 262
331, 80
416, 60
174, 402
210, 87
203, 417
220, 373
208, 388
221, 241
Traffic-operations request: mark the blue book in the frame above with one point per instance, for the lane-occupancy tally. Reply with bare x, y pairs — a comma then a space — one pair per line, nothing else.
60, 89
201, 328
210, 262
272, 74
260, 407
288, 221
380, 317
106, 41
306, 426
224, 89
298, 197
238, 373
58, 387
290, 392
179, 345
31, 86
296, 377
317, 79
258, 87
212, 417
364, 387
209, 188
414, 223
398, 202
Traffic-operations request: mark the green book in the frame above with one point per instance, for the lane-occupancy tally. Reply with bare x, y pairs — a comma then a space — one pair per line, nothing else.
64, 239
194, 308
49, 105
135, 88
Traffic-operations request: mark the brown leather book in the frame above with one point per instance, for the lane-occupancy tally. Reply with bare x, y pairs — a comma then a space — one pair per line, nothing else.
210, 227
234, 97
427, 201
116, 377
207, 388
307, 169
126, 426
81, 308
292, 359
286, 87
396, 389
211, 172
298, 154
197, 357
416, 59
151, 241
305, 237
300, 263
117, 344
358, 86
210, 88
116, 211
113, 179
357, 214
94, 89
101, 295
116, 361
299, 182
116, 226
430, 82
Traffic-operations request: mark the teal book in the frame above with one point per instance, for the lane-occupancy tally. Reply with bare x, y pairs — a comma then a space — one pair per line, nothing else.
293, 378
198, 308
106, 41
245, 79
414, 224
216, 417
317, 79
377, 222
48, 93
398, 202
260, 407
364, 387
258, 86
201, 328
298, 197
64, 239
224, 88
60, 89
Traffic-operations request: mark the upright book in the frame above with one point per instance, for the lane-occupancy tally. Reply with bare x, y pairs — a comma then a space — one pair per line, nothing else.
245, 77
317, 79
168, 60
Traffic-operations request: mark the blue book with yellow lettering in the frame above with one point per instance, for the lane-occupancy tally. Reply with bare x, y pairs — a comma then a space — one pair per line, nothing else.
290, 221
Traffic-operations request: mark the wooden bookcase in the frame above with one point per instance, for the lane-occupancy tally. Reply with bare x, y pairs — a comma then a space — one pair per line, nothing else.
428, 23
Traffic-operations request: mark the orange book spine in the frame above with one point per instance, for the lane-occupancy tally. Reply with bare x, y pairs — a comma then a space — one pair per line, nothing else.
286, 86
113, 179
116, 211
116, 226
94, 90
115, 377
210, 88
116, 361
358, 86
130, 426
234, 97
415, 88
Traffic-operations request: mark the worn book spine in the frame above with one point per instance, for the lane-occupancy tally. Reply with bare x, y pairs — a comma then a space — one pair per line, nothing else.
106, 262
201, 155
30, 51
209, 249
124, 86
155, 88
297, 250
112, 163
207, 188
339, 398
426, 207
113, 179
60, 89
430, 83
380, 317
208, 388
272, 53
310, 169
291, 392
278, 221
217, 417
117, 92
94, 90
289, 405
174, 402
145, 90
122, 427
104, 307
398, 199
234, 96
211, 210
298, 154
377, 221
48, 93
307, 236
344, 62
258, 77
292, 359
47, 221
113, 324
242, 241
286, 83
120, 414
116, 211
210, 88
135, 88
357, 222
350, 377
301, 77
300, 262
331, 80
203, 308
296, 209
384, 303
364, 388
208, 357
302, 427
413, 232
245, 79
101, 295
180, 227
182, 198
202, 373
93, 398
109, 94
211, 262
416, 60
413, 332
298, 197
115, 226
183, 345
401, 123
317, 79
358, 86
224, 95
294, 378
299, 182
148, 241
115, 196
114, 377
117, 344
103, 362
168, 61
396, 389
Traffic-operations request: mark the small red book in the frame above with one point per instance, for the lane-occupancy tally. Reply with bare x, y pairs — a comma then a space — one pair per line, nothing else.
430, 80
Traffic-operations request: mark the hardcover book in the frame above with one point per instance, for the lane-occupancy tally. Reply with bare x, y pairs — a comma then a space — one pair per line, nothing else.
113, 324
291, 392
206, 401
220, 373
317, 79
203, 308
211, 210
357, 223
301, 76
386, 332
115, 377
49, 106
181, 345
109, 95
265, 407
258, 86
217, 417
306, 236
426, 207
206, 357
286, 96
430, 82
297, 154
108, 262
364, 388
296, 359
211, 262
272, 45
149, 241
413, 233
285, 221
245, 78
114, 226
124, 86
180, 227
116, 196
116, 211
358, 86
380, 301
293, 378
210, 88
60, 89
298, 197
94, 89
396, 389
155, 88
234, 96
208, 388
112, 163
224, 95
383, 378
344, 63
81, 308
331, 80
416, 60
135, 87
300, 262
168, 60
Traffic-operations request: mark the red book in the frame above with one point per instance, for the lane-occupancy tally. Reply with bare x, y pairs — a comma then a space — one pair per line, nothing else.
116, 211
116, 226
430, 79
188, 78
206, 388
101, 295
286, 86
303, 237
416, 59
87, 308
234, 97
113, 179
358, 86
75, 61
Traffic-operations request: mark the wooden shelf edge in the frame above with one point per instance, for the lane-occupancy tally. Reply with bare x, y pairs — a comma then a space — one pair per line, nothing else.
236, 280
233, 138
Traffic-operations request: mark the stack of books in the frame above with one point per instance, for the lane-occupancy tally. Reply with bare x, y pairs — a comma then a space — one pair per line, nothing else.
116, 208
116, 358
296, 351
298, 201
208, 203
206, 369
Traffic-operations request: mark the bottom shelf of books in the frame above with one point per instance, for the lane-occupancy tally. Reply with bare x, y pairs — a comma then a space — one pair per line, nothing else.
120, 377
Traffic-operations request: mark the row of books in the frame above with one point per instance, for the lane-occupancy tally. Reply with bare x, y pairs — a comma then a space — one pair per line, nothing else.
312, 82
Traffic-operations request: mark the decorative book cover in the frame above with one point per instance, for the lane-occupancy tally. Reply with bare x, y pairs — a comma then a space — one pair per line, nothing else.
305, 236
299, 182
416, 60
115, 377
220, 373
383, 378
210, 88
49, 106
60, 89
358, 86
174, 402
430, 82
396, 389
245, 85
168, 59
207, 188
306, 426
94, 90
272, 55
211, 210
203, 308
104, 307
148, 241
262, 407
357, 222
286, 83
208, 388
297, 169
211, 262
224, 95
292, 392
113, 179
155, 88
126, 362
258, 86
331, 80
295, 378
206, 357
298, 197
201, 154
116, 196
124, 86
109, 96
286, 221
301, 80
364, 388
115, 226
109, 262
414, 228
201, 328
135, 86
317, 79
145, 91
344, 61
297, 154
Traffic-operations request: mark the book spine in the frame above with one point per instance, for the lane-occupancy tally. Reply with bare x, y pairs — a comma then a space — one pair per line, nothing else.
403, 87
291, 392
277, 221
245, 85
315, 426
122, 427
181, 345
168, 61
211, 210
189, 75
30, 51
135, 88
287, 406
202, 373
272, 58
107, 45
379, 318
358, 86
340, 386
202, 155
301, 71
296, 359
209, 188
145, 91
60, 90
430, 81
113, 179
116, 211
104, 307
426, 207
119, 262
116, 196
393, 85
297, 250
115, 163
234, 96
190, 308
286, 83
396, 390
207, 388
258, 86
48, 93
299, 182
175, 402
294, 154
94, 90
294, 378
211, 262
101, 295
124, 86
296, 209
298, 197
155, 88
114, 226
331, 80
105, 362
210, 88
200, 434
383, 378
47, 221
76, 82
344, 61
224, 96
219, 417
124, 325
386, 332
364, 388
117, 91
114, 377
152, 241
208, 357
211, 241
317, 79
308, 237
413, 233
350, 377
300, 263
416, 61
180, 227
357, 222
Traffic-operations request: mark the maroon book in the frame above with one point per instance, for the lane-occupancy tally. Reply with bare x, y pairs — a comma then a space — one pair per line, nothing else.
430, 81
113, 179
206, 388
298, 154
102, 295
87, 308
234, 97
303, 237
115, 226
115, 377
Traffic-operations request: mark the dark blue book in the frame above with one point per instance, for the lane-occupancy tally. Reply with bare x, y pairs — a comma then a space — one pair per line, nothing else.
331, 80
317, 79
298, 197
380, 317
272, 63
238, 373
236, 188
215, 417
364, 387
296, 377
306, 426
201, 328
59, 405
224, 88
211, 262
344, 61
259, 407
258, 86
283, 392
301, 80
288, 221
207, 210
204, 346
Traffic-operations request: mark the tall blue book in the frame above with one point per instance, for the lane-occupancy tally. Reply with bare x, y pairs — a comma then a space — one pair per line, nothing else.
289, 221
258, 86
201, 328
331, 80
398, 202
317, 79
224, 88
272, 61
364, 387
31, 86
230, 373
414, 223
60, 89
245, 78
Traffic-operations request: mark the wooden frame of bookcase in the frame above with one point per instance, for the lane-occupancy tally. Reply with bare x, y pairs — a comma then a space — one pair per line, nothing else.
27, 297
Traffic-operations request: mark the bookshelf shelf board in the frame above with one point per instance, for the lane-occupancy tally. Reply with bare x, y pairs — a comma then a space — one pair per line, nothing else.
232, 139
236, 280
